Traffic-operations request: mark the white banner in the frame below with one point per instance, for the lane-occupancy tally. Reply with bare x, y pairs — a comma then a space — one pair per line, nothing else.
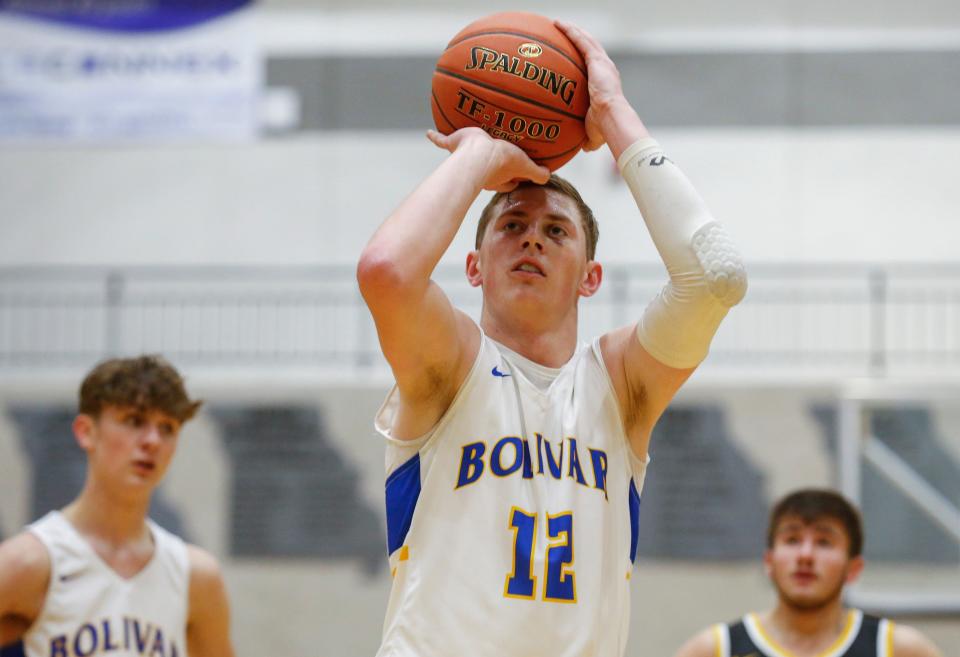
128, 71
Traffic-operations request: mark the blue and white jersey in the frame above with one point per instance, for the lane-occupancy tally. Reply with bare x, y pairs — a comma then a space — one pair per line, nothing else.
512, 525
91, 610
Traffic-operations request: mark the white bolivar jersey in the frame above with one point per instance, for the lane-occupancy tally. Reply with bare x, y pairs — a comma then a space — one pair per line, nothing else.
512, 525
91, 610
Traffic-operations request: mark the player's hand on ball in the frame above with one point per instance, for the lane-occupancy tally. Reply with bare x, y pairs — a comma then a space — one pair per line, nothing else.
507, 165
603, 81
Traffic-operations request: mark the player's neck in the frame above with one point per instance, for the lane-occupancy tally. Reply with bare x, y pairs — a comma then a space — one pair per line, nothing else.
100, 512
551, 345
802, 630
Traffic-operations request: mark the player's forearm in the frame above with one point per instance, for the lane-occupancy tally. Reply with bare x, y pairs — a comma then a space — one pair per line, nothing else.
707, 277
410, 243
620, 124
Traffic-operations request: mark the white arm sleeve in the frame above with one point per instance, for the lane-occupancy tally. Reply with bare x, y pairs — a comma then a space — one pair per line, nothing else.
707, 277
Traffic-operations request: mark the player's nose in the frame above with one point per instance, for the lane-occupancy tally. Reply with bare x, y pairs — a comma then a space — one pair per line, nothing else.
806, 549
151, 435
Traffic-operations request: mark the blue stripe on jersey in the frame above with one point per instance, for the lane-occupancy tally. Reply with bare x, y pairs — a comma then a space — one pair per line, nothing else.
13, 650
403, 490
634, 520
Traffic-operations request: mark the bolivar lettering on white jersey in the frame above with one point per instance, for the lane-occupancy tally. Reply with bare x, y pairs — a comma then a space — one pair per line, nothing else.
508, 543
91, 610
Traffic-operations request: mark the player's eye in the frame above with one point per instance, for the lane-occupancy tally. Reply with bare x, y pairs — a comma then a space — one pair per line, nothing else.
512, 226
556, 230
133, 420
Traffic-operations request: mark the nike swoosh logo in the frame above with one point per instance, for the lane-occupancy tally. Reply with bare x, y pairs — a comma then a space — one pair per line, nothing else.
497, 372
69, 576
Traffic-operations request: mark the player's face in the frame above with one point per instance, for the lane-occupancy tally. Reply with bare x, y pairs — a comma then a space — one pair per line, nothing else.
809, 563
534, 252
127, 445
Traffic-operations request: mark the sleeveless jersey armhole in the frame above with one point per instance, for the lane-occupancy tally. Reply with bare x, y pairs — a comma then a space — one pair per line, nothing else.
401, 451
638, 466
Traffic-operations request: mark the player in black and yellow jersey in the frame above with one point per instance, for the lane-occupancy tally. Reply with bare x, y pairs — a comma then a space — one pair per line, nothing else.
814, 548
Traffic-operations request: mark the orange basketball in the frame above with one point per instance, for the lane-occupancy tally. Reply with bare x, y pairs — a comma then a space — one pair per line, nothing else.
517, 76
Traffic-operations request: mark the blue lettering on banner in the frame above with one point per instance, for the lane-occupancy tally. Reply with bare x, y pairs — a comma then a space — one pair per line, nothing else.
65, 65
124, 15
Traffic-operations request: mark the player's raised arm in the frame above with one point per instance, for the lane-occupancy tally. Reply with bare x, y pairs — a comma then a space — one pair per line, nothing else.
649, 361
429, 344
24, 579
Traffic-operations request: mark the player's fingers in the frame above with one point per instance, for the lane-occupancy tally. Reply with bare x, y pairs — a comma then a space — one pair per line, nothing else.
439, 140
594, 136
538, 174
506, 187
582, 39
530, 170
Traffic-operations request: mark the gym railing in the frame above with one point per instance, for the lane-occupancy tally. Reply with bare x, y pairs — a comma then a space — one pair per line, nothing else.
796, 321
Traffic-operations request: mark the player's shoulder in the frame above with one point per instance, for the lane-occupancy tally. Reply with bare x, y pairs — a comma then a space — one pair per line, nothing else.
910, 642
203, 565
25, 554
25, 571
701, 644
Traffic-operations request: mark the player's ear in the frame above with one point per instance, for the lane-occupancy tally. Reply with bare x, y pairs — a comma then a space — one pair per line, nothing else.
474, 275
592, 278
83, 430
854, 568
768, 562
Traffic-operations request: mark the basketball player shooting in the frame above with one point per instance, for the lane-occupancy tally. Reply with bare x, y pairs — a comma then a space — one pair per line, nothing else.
98, 577
516, 455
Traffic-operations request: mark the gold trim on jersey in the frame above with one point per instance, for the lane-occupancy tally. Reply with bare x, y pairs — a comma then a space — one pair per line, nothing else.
851, 626
718, 637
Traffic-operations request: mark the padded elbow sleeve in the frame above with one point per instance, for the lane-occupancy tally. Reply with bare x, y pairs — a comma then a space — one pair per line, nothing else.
707, 275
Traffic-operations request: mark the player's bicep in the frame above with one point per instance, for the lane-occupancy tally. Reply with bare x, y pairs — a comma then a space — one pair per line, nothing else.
208, 620
424, 339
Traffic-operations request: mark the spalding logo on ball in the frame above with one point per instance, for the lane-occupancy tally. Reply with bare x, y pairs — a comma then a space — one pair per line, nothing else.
517, 76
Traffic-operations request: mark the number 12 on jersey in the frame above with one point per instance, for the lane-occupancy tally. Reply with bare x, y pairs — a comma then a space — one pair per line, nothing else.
560, 584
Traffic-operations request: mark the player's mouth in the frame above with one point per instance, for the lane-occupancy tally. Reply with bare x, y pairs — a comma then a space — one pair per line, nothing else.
804, 577
529, 267
143, 466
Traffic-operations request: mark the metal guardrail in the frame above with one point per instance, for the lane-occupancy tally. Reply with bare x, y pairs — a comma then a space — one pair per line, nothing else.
823, 320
